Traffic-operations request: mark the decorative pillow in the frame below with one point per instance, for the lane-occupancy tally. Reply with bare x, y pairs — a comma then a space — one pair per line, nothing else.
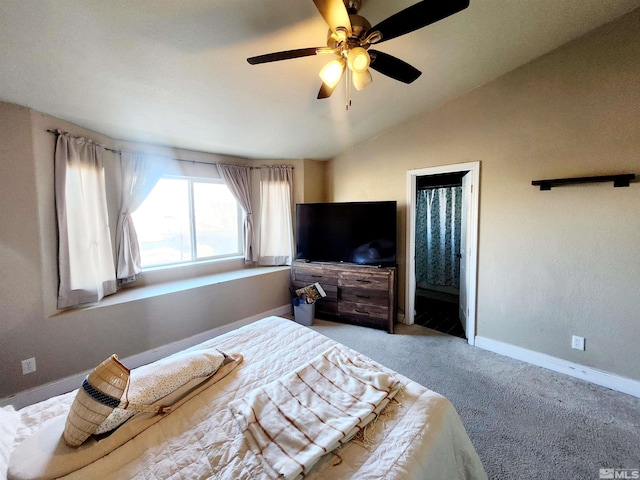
9, 419
99, 394
150, 383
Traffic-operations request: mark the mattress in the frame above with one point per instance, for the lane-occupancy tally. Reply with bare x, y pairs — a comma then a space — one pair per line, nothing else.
419, 436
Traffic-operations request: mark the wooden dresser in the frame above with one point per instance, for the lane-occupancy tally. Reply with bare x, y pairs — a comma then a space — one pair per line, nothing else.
358, 294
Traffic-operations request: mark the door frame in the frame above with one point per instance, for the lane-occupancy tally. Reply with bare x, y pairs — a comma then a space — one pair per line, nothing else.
472, 240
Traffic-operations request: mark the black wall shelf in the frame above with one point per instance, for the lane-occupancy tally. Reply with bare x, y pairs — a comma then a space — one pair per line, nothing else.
618, 181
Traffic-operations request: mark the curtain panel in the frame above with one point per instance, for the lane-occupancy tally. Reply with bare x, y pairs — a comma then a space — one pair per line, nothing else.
140, 173
438, 226
85, 259
276, 221
237, 178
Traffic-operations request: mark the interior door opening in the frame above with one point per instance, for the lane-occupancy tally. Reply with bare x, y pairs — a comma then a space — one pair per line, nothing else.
442, 221
438, 252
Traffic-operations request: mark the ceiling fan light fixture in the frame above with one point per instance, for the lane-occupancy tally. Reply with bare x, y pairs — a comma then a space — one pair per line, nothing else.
361, 79
332, 72
358, 60
350, 35
341, 34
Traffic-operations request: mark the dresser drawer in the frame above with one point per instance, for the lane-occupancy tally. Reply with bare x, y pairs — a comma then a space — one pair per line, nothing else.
363, 311
330, 290
369, 279
312, 273
327, 306
364, 296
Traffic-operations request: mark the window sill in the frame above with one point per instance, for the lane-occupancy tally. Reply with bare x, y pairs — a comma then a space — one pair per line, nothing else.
135, 293
186, 271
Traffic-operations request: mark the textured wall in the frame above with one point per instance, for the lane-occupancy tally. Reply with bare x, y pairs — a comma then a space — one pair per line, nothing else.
551, 264
70, 342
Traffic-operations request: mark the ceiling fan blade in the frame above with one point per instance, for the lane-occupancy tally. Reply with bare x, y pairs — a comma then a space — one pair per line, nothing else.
417, 16
286, 55
329, 78
326, 91
393, 67
335, 14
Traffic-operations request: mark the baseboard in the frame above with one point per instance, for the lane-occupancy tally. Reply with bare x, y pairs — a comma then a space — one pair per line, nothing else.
72, 382
593, 375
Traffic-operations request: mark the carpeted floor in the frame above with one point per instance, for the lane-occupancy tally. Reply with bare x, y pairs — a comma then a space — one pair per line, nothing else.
524, 421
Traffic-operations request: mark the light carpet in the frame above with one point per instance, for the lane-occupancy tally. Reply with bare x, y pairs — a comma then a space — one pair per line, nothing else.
524, 421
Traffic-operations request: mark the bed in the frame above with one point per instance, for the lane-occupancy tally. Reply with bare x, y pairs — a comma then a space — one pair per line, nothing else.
418, 433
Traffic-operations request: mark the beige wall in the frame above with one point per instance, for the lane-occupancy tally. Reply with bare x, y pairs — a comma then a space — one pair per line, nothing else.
70, 342
551, 264
314, 181
20, 284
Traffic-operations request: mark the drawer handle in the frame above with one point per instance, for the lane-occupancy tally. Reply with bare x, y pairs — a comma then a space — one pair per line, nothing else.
316, 276
362, 296
361, 311
363, 281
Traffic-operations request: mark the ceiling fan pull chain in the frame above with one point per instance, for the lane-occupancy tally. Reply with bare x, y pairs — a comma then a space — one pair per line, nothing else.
347, 89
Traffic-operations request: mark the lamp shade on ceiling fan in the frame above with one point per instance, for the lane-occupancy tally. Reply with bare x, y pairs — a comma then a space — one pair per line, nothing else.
358, 60
361, 79
332, 72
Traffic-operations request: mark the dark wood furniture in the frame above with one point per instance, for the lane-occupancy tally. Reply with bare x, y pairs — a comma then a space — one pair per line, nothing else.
621, 180
359, 294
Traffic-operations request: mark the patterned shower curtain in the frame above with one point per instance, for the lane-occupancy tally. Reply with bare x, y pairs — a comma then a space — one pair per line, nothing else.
438, 223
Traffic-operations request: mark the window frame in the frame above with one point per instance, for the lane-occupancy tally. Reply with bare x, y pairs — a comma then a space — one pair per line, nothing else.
194, 261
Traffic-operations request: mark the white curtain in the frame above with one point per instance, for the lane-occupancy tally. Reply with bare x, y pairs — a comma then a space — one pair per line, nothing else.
238, 180
276, 221
140, 173
85, 258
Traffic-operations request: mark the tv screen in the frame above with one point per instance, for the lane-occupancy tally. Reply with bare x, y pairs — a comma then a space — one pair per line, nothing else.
358, 232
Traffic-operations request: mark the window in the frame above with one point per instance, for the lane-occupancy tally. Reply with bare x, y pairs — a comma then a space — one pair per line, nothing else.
186, 220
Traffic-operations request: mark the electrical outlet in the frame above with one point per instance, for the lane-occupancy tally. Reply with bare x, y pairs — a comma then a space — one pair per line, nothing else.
577, 342
28, 365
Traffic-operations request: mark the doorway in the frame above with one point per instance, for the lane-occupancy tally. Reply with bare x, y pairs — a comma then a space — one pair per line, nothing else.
438, 252
444, 291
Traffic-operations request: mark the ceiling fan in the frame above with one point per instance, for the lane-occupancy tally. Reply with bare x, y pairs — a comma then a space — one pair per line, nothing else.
351, 36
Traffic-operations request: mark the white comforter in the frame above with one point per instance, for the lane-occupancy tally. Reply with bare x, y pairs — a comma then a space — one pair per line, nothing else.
421, 438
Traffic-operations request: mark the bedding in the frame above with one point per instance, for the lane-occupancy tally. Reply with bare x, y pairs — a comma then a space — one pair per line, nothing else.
149, 383
9, 419
417, 435
291, 422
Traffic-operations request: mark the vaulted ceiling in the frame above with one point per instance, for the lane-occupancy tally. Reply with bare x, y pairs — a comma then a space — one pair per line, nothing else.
175, 72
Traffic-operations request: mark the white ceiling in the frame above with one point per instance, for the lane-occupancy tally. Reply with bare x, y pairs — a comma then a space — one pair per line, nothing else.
175, 72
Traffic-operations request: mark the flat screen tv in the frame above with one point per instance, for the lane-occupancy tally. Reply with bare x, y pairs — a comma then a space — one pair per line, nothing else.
363, 233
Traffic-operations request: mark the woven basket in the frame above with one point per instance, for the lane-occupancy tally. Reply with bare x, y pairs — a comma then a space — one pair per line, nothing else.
99, 394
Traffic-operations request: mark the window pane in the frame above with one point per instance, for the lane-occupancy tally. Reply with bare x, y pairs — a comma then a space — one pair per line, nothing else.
162, 224
217, 220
